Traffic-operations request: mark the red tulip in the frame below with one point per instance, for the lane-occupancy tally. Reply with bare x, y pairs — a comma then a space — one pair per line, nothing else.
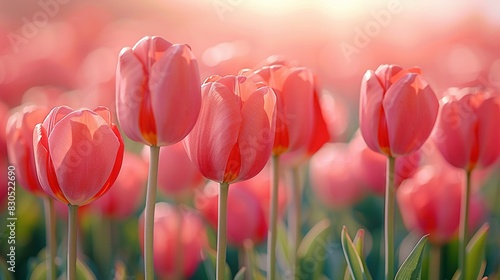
20, 146
398, 110
430, 204
332, 178
177, 176
78, 154
169, 239
232, 139
124, 198
157, 91
243, 205
468, 129
299, 124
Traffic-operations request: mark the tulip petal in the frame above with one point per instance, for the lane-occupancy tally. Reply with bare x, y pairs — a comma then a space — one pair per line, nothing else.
411, 110
216, 132
175, 94
130, 92
488, 115
80, 144
370, 109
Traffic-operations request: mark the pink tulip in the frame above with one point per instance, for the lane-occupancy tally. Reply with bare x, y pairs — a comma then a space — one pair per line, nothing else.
78, 154
243, 205
332, 178
157, 91
177, 175
468, 129
397, 111
20, 146
124, 198
299, 124
430, 204
169, 239
371, 166
233, 137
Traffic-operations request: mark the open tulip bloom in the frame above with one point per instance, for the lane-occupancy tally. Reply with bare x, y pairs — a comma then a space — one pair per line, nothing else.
78, 155
232, 139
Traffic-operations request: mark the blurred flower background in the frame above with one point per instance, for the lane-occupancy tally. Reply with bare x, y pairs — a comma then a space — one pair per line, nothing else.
64, 52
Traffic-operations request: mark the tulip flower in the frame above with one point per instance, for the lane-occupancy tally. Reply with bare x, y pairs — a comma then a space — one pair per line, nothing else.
156, 83
332, 178
467, 137
158, 100
179, 239
232, 139
19, 136
397, 112
78, 155
177, 176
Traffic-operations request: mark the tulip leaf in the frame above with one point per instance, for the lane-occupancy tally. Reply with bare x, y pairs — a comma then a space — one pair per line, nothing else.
210, 264
412, 266
355, 263
475, 255
5, 273
241, 274
359, 245
83, 272
312, 251
282, 250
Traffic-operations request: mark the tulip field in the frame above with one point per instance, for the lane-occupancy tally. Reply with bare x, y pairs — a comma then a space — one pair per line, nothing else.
233, 139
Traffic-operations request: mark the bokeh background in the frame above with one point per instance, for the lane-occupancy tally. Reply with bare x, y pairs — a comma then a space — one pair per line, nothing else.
65, 52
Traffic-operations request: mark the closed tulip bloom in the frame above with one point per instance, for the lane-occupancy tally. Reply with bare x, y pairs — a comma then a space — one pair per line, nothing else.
20, 146
243, 205
169, 239
398, 110
233, 137
78, 154
430, 204
157, 91
177, 176
124, 198
299, 124
468, 129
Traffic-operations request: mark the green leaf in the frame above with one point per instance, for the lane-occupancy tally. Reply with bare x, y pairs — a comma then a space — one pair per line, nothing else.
210, 264
359, 245
355, 263
83, 272
282, 250
475, 262
241, 274
313, 252
5, 273
412, 266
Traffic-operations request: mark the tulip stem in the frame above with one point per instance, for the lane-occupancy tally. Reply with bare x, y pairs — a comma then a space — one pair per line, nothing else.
179, 260
389, 219
273, 221
72, 237
221, 232
50, 232
464, 217
435, 262
150, 212
248, 248
295, 215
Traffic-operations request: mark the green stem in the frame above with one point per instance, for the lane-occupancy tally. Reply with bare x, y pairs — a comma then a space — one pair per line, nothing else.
464, 216
273, 222
50, 232
221, 231
389, 219
435, 262
249, 257
296, 218
150, 212
179, 260
72, 237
